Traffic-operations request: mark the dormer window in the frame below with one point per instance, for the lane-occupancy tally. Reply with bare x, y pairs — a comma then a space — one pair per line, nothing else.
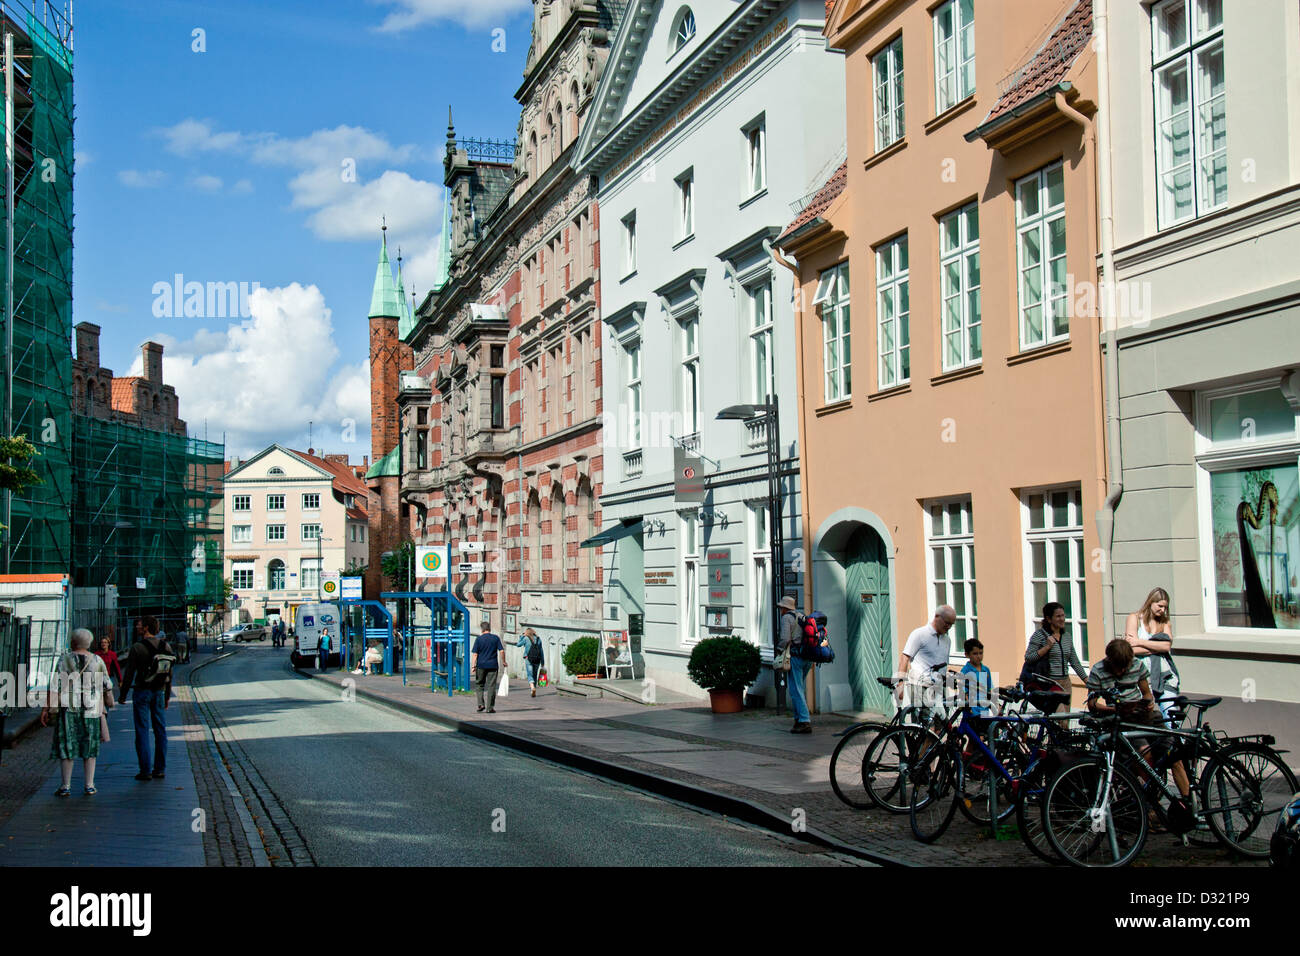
685, 28
277, 470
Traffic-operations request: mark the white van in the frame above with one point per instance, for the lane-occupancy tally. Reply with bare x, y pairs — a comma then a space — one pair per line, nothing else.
311, 623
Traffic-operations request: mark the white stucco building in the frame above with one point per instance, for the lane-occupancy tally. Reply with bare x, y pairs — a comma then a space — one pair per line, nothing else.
712, 122
290, 516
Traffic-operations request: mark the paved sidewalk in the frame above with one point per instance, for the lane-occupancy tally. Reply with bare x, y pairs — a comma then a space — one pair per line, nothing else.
127, 823
749, 758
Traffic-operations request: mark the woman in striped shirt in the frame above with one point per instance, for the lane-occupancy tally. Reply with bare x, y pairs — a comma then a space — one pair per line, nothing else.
1050, 651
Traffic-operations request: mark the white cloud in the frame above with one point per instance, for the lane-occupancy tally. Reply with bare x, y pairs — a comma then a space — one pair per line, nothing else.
104, 306
241, 188
264, 379
472, 16
409, 204
209, 184
81, 159
137, 179
191, 136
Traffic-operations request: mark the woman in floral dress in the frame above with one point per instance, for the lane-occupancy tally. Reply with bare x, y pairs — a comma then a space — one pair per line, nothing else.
78, 696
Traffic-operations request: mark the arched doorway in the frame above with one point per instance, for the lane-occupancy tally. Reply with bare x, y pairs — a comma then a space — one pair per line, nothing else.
868, 627
275, 575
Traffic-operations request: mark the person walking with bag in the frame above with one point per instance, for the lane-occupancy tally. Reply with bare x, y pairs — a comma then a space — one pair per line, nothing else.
148, 675
787, 649
534, 656
1049, 652
79, 695
487, 659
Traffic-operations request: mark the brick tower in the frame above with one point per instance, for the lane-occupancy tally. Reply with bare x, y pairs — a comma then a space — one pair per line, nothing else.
389, 357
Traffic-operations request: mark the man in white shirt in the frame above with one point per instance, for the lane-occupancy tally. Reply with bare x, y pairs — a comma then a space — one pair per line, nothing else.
926, 647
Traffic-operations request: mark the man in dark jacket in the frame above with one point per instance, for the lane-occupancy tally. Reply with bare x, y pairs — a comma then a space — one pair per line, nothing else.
151, 682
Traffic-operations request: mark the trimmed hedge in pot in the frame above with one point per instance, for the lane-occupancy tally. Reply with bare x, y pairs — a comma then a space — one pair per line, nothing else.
580, 656
724, 663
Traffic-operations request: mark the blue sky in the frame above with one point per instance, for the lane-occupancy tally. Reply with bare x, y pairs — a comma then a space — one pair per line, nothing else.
268, 158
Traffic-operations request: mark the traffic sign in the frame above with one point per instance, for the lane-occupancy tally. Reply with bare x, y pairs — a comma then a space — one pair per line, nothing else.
430, 563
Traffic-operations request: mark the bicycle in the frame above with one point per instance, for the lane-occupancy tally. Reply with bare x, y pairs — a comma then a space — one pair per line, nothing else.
1096, 812
871, 758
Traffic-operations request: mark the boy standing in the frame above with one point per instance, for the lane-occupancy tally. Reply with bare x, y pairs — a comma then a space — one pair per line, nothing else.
977, 680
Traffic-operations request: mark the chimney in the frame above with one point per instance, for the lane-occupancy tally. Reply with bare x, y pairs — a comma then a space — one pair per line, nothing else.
88, 343
365, 461
152, 353
337, 459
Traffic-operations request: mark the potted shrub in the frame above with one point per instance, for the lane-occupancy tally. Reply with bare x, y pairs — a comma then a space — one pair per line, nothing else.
724, 666
580, 657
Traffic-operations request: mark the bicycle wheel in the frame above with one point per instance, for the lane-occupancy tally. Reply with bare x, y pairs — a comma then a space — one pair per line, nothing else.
978, 773
888, 760
847, 762
1089, 824
936, 791
1243, 790
1029, 821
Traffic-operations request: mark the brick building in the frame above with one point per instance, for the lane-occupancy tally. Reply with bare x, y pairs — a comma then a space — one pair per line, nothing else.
389, 358
501, 436
133, 399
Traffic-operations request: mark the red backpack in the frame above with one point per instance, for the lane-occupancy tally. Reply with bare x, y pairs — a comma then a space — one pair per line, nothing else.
812, 643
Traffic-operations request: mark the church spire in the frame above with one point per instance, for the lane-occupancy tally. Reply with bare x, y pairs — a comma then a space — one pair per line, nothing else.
385, 300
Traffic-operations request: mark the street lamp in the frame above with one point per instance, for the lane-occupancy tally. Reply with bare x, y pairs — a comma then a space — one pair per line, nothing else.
770, 415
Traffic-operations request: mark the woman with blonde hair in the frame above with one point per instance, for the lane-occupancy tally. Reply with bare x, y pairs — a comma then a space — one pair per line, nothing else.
1152, 637
78, 695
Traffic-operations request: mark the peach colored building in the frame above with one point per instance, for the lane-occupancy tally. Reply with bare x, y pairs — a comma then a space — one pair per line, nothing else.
953, 443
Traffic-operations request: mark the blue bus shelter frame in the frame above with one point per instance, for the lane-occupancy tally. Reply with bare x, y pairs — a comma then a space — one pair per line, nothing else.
384, 633
448, 644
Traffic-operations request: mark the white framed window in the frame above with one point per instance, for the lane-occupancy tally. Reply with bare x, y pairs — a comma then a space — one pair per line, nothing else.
241, 534
688, 550
275, 532
352, 532
241, 503
310, 532
311, 501
832, 299
629, 243
241, 575
277, 471
762, 364
893, 314
759, 625
1187, 66
1054, 560
632, 369
683, 29
275, 502
685, 205
887, 74
309, 573
954, 53
1040, 257
1248, 483
690, 374
755, 157
959, 269
950, 569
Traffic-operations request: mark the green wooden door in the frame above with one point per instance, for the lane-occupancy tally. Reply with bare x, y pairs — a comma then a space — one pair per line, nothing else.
869, 630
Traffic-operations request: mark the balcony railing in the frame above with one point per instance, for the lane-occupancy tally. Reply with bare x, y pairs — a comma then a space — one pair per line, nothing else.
756, 433
632, 463
691, 443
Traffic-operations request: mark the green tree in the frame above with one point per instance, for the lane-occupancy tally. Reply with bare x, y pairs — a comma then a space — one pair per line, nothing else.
16, 474
399, 566
355, 571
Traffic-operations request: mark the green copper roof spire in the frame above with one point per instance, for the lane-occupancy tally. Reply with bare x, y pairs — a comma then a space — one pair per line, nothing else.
385, 300
406, 318
442, 257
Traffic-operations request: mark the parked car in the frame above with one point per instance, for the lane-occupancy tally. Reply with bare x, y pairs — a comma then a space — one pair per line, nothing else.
243, 632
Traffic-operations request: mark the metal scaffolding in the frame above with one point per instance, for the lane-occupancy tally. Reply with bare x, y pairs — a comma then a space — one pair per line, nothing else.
147, 517
37, 309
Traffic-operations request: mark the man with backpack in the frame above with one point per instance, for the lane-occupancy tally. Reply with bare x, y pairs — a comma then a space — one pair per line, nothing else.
534, 656
148, 675
791, 638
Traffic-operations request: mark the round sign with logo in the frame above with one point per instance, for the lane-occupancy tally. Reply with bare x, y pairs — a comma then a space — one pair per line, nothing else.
688, 472
432, 561
329, 587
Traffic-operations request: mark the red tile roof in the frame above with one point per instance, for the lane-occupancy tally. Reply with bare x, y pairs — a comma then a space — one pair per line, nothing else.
1049, 65
820, 202
345, 479
123, 399
357, 514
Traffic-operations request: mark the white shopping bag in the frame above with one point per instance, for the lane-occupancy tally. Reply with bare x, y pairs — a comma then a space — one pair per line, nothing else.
503, 685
